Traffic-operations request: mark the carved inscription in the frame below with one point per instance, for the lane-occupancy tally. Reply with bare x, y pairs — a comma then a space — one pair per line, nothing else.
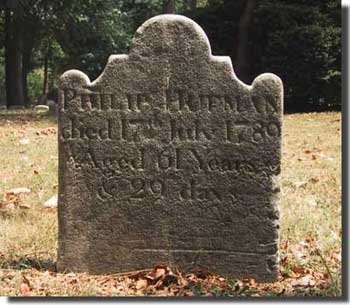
135, 129
178, 129
139, 188
168, 159
132, 188
173, 101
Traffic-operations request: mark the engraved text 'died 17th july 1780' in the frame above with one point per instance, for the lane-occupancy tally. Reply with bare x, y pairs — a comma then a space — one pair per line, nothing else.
168, 158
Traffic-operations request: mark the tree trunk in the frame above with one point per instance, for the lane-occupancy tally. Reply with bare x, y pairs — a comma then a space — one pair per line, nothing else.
27, 54
25, 82
28, 44
14, 58
242, 58
169, 7
46, 67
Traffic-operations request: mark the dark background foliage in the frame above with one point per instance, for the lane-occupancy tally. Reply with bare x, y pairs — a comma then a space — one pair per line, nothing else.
298, 40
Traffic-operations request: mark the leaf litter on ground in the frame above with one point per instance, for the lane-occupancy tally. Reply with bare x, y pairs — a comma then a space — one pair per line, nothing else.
163, 281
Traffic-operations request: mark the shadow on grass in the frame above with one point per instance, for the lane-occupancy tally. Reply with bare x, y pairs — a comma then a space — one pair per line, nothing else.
29, 263
27, 115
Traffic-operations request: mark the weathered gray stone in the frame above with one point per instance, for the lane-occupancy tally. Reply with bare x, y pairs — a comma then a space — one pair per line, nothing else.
41, 108
15, 107
168, 158
52, 106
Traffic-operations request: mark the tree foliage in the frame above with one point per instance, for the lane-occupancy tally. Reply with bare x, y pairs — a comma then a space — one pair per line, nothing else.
89, 31
301, 43
299, 40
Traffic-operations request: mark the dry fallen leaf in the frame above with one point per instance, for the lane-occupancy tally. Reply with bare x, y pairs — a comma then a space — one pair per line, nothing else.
314, 179
24, 206
134, 275
11, 199
299, 184
24, 289
336, 257
200, 273
188, 294
157, 272
298, 270
252, 282
24, 141
305, 281
160, 271
166, 280
46, 131
19, 190
285, 244
309, 239
51, 203
141, 284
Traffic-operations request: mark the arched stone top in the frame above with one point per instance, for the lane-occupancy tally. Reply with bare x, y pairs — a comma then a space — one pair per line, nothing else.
170, 34
172, 51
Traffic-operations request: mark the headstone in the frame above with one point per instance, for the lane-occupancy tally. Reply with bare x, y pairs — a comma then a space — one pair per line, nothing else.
52, 106
168, 158
15, 107
41, 100
41, 108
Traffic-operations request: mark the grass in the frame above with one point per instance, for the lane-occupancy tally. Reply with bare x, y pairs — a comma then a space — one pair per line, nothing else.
311, 184
310, 210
